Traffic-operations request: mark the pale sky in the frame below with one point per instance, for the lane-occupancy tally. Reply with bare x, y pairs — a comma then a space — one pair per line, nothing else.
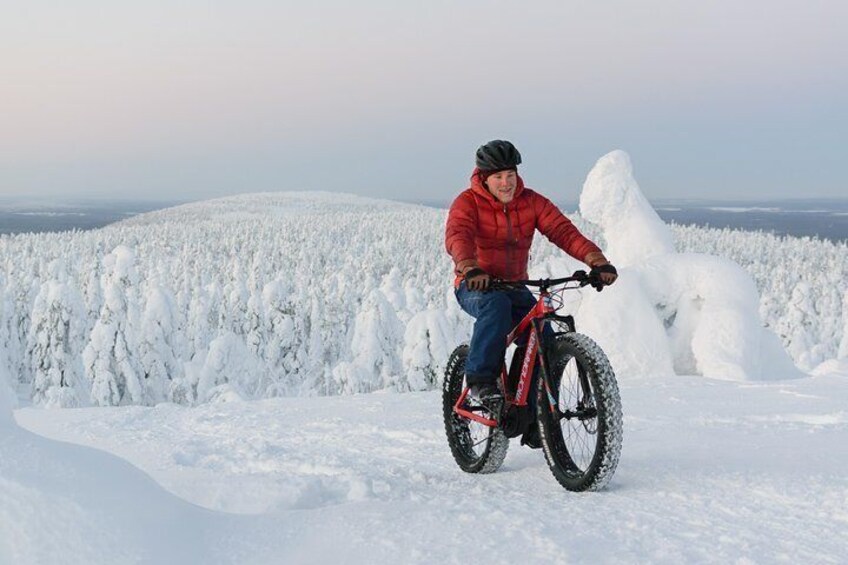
194, 99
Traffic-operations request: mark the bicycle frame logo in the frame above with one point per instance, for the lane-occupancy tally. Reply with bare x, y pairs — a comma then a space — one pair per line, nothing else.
529, 325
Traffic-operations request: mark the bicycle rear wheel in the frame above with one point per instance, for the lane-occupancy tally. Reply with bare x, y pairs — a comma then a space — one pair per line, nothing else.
476, 448
582, 436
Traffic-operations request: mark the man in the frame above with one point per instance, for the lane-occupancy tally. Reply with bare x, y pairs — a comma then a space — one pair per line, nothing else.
488, 234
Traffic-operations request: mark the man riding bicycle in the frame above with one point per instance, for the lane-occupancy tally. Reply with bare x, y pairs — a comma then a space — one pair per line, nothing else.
488, 234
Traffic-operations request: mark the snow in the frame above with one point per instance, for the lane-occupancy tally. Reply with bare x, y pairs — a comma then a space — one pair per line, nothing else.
7, 398
241, 310
843, 345
711, 471
54, 336
227, 373
302, 279
61, 503
611, 198
68, 504
707, 306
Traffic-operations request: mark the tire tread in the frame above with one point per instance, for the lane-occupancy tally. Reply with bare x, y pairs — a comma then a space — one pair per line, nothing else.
607, 394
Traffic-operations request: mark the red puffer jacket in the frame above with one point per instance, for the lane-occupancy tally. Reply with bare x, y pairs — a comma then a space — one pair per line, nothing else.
483, 232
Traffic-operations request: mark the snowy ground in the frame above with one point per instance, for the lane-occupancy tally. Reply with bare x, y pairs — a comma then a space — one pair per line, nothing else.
739, 467
711, 471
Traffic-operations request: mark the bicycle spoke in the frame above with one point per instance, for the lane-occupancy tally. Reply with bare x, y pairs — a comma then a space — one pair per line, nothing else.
475, 444
579, 431
582, 434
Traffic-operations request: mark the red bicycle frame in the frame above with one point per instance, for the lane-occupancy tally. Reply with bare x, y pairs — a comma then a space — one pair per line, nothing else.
531, 325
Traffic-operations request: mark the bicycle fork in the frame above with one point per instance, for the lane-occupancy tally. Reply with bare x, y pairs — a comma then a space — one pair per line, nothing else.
584, 409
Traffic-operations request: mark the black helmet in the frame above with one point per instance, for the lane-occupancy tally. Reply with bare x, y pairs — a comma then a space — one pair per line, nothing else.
498, 155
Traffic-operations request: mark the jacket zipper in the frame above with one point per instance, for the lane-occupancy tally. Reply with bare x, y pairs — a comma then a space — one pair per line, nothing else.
508, 241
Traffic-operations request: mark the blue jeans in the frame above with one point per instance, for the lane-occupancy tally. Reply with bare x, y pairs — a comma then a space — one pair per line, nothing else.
496, 312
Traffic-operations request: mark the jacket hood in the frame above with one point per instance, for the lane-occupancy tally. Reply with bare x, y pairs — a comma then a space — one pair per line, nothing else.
479, 188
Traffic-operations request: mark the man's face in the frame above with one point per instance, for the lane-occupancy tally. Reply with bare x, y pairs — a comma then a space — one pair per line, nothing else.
502, 185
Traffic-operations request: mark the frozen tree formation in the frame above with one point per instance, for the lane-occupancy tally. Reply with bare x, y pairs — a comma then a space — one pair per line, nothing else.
612, 200
375, 347
7, 396
159, 347
429, 340
694, 312
282, 338
843, 345
53, 345
288, 294
229, 372
111, 357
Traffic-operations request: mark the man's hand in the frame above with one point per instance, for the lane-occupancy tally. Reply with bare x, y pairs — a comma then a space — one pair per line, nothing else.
605, 273
477, 279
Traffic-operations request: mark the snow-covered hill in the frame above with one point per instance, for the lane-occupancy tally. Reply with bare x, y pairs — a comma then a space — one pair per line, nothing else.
224, 306
273, 287
291, 294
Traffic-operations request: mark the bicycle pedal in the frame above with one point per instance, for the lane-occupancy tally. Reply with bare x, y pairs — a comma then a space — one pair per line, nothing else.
492, 405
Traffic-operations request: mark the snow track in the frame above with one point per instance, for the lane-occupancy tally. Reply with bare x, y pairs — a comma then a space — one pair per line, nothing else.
710, 471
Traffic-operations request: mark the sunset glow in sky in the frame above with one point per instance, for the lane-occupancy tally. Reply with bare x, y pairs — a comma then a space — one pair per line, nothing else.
186, 100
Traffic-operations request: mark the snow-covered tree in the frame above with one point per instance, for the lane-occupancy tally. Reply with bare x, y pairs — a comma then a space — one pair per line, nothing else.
111, 356
317, 376
228, 371
199, 319
376, 347
843, 345
325, 248
284, 338
795, 327
8, 336
428, 342
234, 312
92, 290
55, 336
254, 325
392, 289
161, 367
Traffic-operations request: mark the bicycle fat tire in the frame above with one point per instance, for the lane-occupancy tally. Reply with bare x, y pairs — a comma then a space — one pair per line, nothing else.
573, 469
488, 455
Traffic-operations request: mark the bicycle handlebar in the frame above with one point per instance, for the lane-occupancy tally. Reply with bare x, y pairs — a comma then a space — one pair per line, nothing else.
580, 276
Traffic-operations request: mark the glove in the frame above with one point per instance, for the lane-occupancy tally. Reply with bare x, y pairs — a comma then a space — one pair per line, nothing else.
477, 279
603, 275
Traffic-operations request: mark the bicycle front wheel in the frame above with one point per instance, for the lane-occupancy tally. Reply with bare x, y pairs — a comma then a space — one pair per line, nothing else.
580, 418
